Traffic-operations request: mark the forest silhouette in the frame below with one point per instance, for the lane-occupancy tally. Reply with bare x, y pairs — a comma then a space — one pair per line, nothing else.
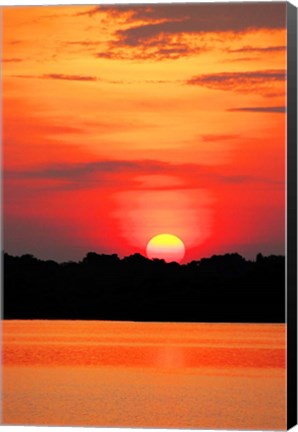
223, 288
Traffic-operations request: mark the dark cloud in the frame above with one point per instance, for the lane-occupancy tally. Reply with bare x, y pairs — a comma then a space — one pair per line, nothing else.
12, 60
196, 18
58, 76
87, 169
243, 82
162, 50
267, 109
65, 77
250, 49
161, 26
201, 18
231, 78
107, 173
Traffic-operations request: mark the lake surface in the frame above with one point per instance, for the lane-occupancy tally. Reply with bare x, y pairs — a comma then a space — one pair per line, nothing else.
87, 373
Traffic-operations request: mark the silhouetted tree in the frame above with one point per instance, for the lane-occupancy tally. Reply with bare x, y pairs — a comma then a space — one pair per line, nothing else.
224, 288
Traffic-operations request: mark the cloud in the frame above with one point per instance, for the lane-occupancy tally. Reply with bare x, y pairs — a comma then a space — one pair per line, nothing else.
204, 17
86, 43
240, 59
87, 169
64, 77
14, 42
84, 78
153, 28
89, 12
12, 60
157, 51
199, 18
262, 81
81, 46
57, 76
267, 109
162, 50
216, 137
108, 173
250, 49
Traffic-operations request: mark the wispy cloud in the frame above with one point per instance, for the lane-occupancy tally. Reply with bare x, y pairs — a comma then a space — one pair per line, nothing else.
57, 76
14, 42
85, 78
261, 81
251, 49
83, 43
266, 109
116, 172
164, 49
218, 137
87, 169
13, 60
89, 12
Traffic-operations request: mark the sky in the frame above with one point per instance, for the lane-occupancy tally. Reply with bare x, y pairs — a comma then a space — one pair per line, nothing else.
124, 122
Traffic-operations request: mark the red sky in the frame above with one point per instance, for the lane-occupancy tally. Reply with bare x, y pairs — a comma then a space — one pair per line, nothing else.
123, 122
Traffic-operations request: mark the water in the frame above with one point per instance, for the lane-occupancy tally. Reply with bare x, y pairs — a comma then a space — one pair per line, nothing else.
89, 373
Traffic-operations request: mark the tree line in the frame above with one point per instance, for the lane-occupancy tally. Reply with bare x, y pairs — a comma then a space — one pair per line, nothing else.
222, 288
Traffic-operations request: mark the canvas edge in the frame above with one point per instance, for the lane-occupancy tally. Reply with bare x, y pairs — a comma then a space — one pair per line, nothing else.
291, 250
291, 215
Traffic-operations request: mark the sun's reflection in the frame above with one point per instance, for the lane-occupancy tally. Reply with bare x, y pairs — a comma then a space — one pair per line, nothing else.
170, 356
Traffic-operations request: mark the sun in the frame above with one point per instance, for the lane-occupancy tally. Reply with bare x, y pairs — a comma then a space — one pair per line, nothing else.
167, 247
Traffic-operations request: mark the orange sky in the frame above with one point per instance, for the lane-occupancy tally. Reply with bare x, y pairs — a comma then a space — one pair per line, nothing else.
123, 122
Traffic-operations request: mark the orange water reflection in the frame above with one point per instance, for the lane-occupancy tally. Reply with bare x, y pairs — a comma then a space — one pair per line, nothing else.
144, 374
143, 344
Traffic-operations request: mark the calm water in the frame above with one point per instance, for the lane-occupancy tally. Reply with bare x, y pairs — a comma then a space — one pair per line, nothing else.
89, 373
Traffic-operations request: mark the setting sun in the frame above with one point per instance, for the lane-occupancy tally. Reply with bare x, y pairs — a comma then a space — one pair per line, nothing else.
166, 246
